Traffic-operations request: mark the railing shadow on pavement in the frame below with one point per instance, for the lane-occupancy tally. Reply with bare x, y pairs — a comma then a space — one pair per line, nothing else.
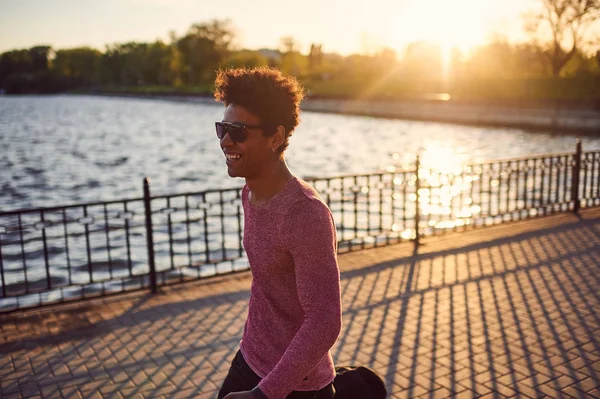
513, 315
521, 319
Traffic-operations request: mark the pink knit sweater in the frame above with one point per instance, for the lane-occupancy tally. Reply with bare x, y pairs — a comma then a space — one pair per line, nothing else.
294, 314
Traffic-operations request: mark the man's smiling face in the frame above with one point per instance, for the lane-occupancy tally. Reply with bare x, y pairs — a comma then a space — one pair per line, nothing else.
248, 158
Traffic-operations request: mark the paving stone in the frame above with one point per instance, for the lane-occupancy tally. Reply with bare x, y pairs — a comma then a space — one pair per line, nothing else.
594, 393
504, 311
70, 393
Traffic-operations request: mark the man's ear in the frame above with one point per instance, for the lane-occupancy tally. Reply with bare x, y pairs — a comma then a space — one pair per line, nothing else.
278, 137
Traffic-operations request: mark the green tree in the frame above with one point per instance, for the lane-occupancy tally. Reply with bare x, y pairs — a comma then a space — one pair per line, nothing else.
78, 65
292, 62
15, 61
40, 57
110, 65
27, 71
136, 63
204, 48
559, 30
315, 57
422, 62
246, 59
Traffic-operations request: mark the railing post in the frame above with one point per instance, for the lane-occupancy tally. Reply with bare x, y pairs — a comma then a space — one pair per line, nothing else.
575, 178
149, 240
417, 213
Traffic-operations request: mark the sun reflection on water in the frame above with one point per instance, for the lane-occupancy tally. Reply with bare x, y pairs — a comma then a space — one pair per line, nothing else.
445, 183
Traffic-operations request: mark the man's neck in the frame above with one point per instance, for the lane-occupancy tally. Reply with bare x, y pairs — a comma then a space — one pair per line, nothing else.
267, 184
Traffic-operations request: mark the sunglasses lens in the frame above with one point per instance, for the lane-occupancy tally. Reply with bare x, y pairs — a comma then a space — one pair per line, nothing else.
221, 131
236, 133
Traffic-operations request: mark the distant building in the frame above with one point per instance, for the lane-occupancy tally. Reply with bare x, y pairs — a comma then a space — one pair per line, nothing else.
274, 56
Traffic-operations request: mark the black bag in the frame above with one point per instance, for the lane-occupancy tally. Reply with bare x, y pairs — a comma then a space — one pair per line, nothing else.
358, 383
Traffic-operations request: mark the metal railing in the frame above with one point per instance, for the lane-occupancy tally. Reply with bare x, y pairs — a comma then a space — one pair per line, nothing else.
66, 253
78, 251
496, 192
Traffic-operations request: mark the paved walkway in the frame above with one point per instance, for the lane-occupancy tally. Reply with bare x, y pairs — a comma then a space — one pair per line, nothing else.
497, 312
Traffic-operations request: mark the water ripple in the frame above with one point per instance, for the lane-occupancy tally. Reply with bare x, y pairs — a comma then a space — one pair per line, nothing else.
63, 149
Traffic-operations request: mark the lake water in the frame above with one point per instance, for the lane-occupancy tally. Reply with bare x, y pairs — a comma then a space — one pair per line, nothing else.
58, 150
61, 150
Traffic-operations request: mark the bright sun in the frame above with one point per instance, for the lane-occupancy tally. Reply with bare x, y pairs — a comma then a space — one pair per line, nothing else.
461, 24
458, 23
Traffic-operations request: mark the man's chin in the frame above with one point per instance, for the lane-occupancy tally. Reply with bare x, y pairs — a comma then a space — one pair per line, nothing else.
234, 173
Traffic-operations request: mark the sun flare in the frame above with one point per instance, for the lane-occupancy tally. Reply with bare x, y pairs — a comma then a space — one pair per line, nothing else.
459, 24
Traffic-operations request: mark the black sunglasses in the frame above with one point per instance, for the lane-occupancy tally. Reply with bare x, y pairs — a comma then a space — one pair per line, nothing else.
237, 131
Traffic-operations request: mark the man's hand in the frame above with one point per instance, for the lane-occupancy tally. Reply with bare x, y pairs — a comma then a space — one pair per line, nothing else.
240, 395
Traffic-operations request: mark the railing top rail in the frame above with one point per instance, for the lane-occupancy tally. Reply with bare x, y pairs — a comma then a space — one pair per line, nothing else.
306, 178
202, 192
61, 207
350, 175
515, 159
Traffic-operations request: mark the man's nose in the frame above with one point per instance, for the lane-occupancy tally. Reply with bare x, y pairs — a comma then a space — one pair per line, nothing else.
226, 140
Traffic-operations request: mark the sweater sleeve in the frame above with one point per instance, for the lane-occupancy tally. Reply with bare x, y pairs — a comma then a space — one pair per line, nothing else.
310, 237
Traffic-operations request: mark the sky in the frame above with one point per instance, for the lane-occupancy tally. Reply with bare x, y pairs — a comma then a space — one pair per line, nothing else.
343, 26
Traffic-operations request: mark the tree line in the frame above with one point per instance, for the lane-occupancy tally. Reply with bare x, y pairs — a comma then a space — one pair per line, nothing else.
189, 60
555, 63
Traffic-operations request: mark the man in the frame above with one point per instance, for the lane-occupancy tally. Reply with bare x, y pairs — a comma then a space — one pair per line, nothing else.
294, 313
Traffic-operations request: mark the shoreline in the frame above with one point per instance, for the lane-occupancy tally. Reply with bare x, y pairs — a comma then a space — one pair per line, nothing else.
556, 116
557, 120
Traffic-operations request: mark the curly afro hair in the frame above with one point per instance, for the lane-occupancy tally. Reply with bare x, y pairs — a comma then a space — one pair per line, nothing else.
273, 97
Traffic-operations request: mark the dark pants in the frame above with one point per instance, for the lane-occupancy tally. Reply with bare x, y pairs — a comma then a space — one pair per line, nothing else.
242, 378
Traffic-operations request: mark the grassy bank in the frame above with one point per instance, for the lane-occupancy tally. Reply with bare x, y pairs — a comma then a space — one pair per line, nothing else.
583, 92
